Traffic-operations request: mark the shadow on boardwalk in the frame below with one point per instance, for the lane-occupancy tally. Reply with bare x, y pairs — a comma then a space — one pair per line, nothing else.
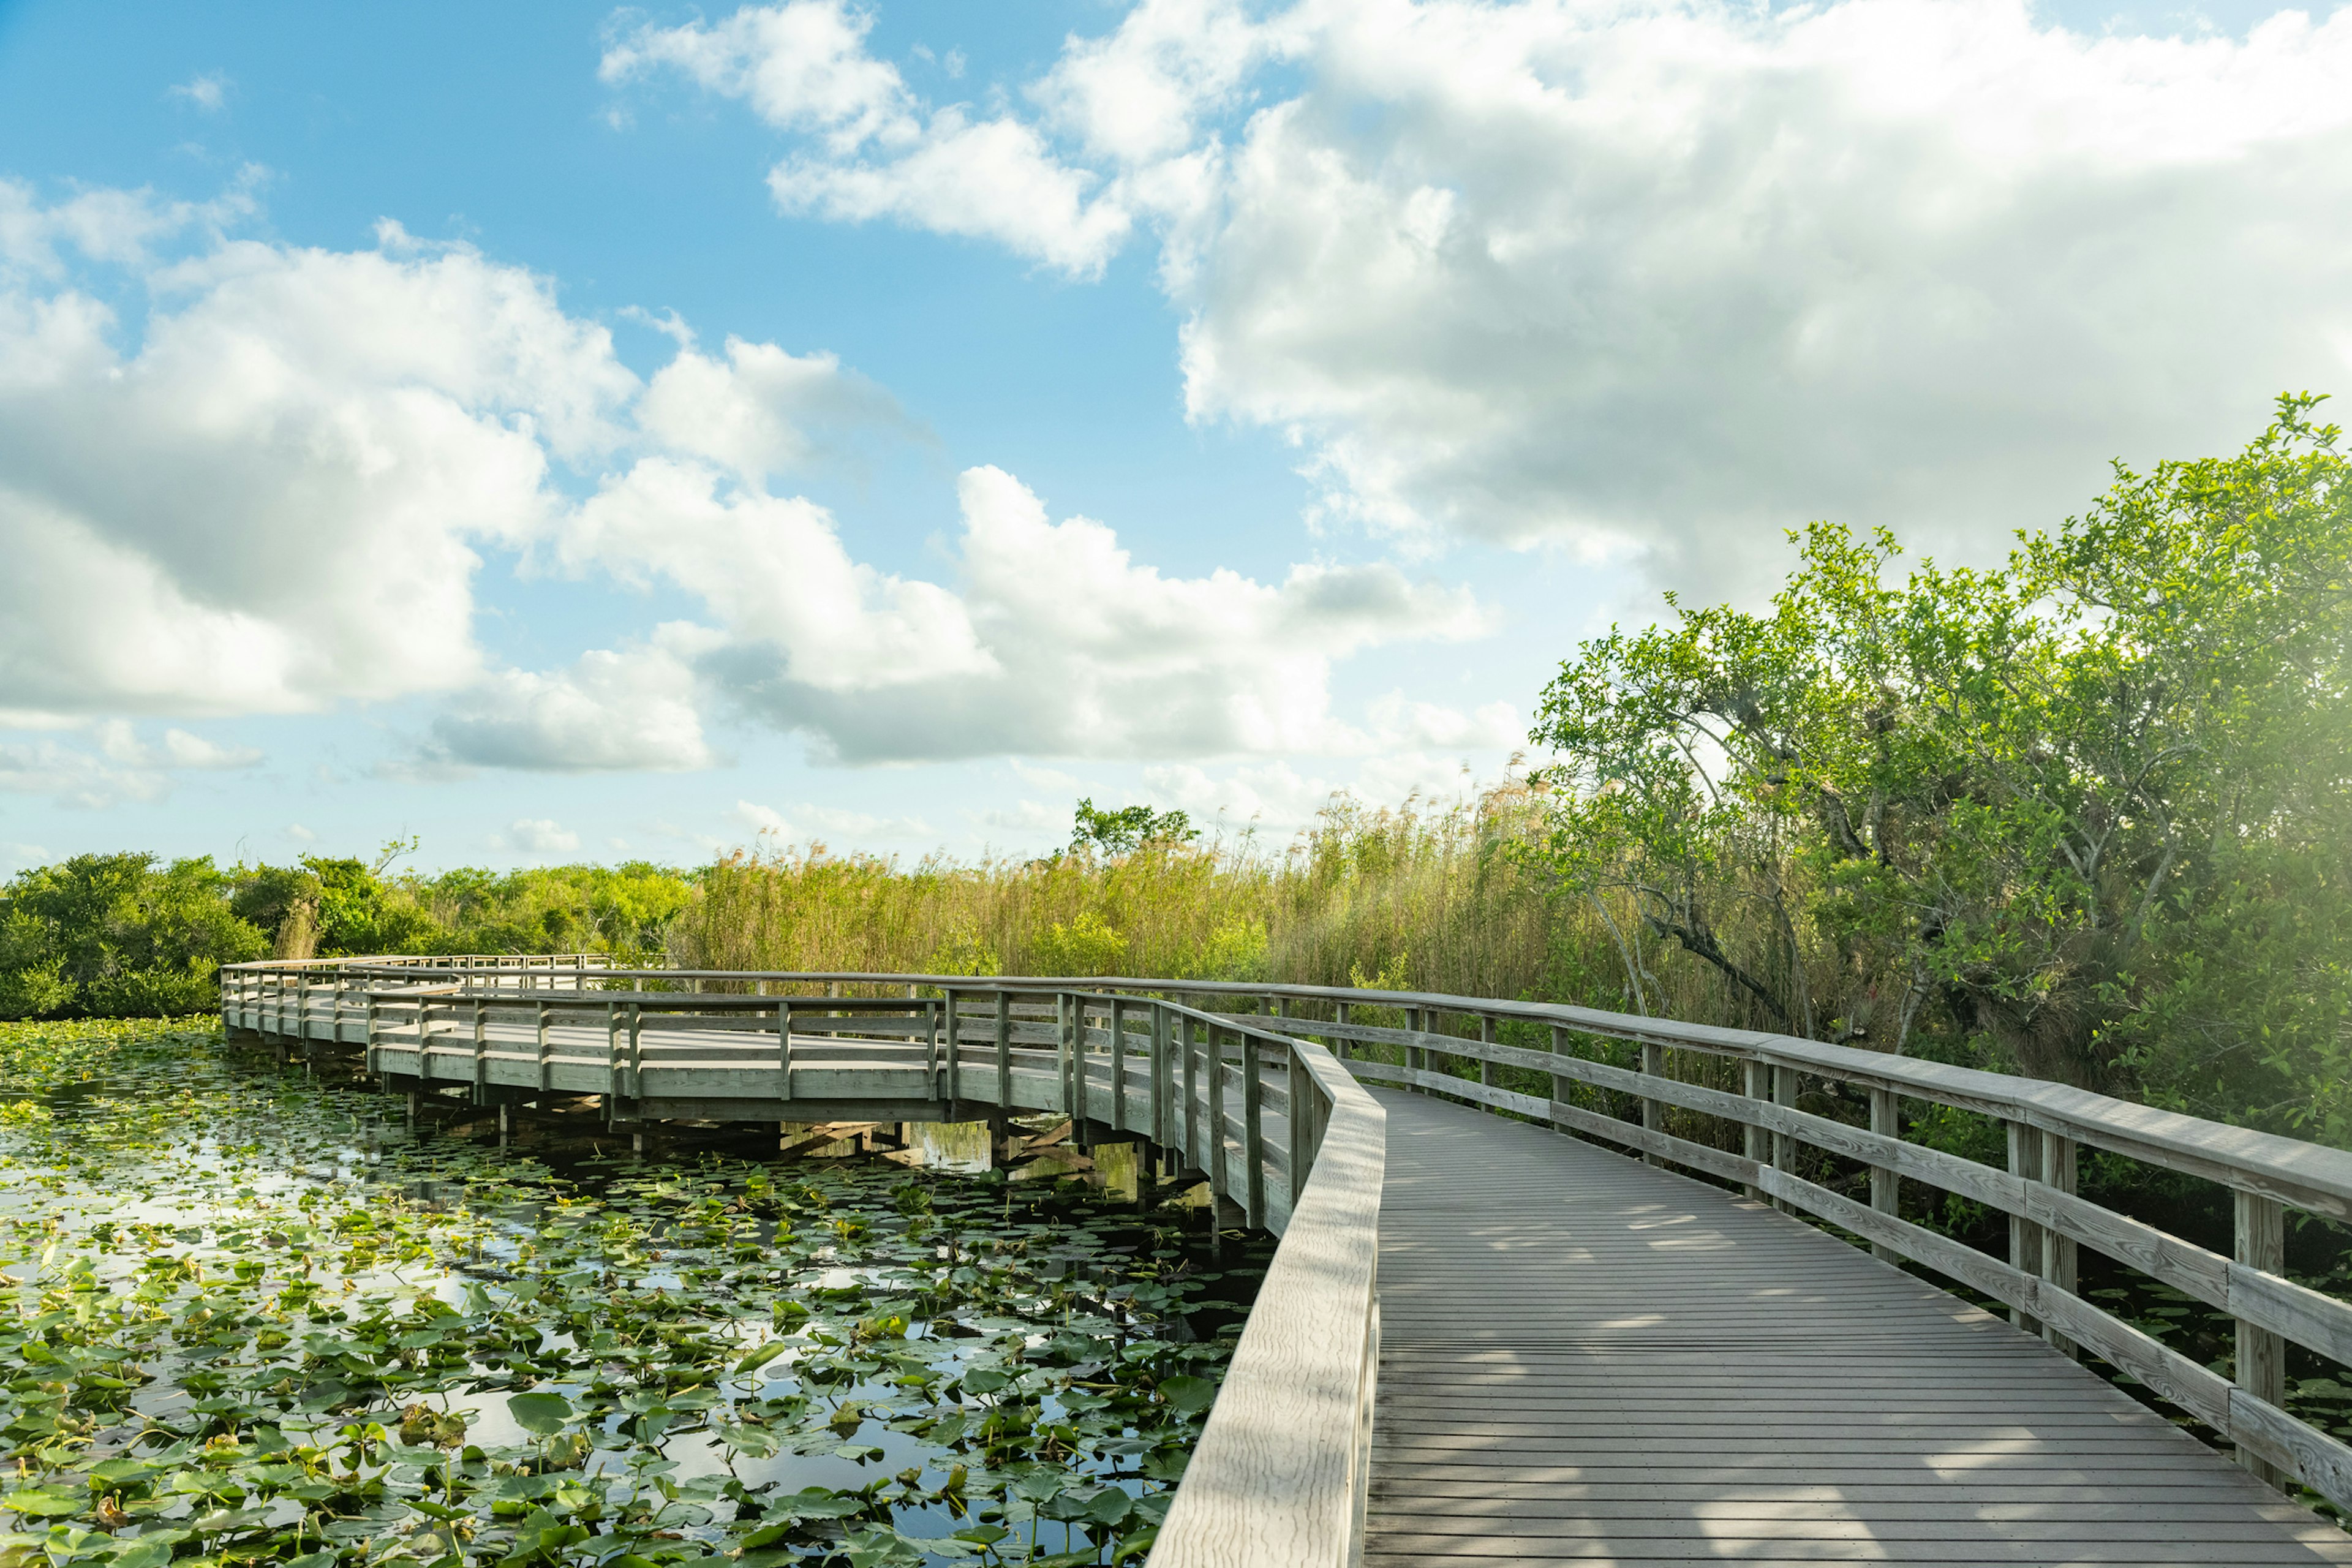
1587, 1358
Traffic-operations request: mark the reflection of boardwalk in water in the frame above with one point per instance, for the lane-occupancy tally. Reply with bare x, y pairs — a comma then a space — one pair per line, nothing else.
1480, 1339
1583, 1358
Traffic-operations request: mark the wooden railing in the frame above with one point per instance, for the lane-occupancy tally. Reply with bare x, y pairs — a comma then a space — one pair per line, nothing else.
1754, 1136
1281, 1131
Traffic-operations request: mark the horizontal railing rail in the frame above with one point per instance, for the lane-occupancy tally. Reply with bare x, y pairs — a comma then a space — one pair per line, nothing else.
1280, 1132
1757, 1137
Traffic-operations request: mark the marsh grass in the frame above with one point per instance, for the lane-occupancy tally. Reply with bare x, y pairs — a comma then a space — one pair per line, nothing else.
1421, 897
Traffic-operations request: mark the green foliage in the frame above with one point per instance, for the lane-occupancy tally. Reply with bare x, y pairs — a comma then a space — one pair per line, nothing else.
1086, 945
1127, 829
117, 935
124, 936
2084, 817
223, 1341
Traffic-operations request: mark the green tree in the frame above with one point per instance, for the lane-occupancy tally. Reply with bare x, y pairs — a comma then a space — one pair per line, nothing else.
2011, 805
117, 935
1127, 829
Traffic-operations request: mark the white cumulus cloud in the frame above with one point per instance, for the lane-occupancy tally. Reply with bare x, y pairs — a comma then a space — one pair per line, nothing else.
538, 835
633, 709
1652, 279
280, 495
1055, 642
122, 767
877, 152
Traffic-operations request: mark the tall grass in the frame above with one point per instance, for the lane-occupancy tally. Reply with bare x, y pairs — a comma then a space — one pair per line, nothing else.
1421, 897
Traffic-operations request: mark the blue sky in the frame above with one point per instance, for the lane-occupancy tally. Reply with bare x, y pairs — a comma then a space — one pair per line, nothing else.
566, 433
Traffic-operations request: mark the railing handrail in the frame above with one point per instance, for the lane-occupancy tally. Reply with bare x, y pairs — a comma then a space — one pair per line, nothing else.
1280, 1475
2308, 1175
2046, 1121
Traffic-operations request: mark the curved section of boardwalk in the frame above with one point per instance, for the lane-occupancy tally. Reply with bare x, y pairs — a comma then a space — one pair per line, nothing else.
1586, 1359
1481, 1339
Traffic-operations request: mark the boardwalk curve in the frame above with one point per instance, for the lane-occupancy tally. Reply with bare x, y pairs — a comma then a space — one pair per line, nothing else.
1480, 1339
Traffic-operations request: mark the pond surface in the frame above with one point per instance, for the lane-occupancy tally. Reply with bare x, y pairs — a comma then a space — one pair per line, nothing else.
250, 1316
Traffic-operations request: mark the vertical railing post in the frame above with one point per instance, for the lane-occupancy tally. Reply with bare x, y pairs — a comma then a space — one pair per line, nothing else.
2025, 1236
617, 1024
2262, 1354
1064, 1008
1342, 1015
481, 1050
1254, 1130
546, 1067
955, 1068
1190, 1102
1784, 1146
1214, 1146
1118, 1064
1885, 1185
1756, 1083
374, 1052
1004, 1050
1486, 1037
2058, 1251
784, 1049
1298, 1093
1561, 1081
1162, 1128
636, 1061
1654, 1113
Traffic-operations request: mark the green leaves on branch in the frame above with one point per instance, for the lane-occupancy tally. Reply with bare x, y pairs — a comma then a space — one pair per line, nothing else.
1999, 812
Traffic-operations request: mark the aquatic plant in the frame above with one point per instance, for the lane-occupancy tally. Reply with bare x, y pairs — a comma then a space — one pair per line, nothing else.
243, 1319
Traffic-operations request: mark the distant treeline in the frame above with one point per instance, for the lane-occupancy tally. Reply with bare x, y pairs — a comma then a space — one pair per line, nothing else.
130, 935
2086, 816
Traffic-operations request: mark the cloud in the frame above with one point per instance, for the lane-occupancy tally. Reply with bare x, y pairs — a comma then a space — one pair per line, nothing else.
207, 92
1275, 800
1055, 642
103, 225
631, 710
123, 767
536, 836
274, 501
279, 498
1657, 280
1667, 278
761, 411
881, 152
802, 67
812, 822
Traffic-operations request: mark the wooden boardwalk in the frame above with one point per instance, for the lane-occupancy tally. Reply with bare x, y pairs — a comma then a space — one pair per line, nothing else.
1481, 1339
1587, 1358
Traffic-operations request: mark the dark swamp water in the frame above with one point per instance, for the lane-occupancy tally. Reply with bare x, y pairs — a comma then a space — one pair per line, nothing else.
250, 1316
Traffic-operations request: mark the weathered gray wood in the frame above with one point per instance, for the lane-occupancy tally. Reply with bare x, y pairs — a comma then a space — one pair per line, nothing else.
2024, 1235
1654, 1109
689, 1056
2261, 1245
1614, 1365
1278, 1475
1886, 1181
